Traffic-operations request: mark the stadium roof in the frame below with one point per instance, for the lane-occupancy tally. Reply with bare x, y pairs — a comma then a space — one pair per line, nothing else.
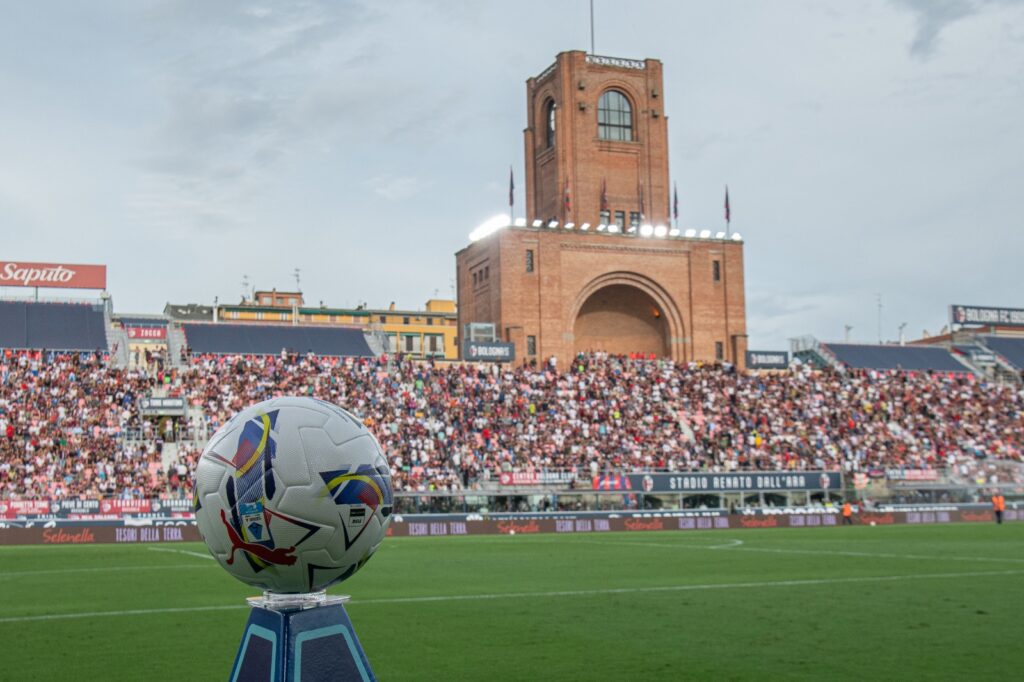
266, 339
906, 358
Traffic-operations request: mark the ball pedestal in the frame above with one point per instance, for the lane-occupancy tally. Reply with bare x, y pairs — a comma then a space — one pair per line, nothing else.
300, 638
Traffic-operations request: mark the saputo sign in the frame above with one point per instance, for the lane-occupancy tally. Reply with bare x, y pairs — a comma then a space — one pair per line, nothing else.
52, 275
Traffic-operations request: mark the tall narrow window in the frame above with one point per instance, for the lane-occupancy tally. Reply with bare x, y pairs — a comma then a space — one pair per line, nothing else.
634, 219
549, 123
620, 218
531, 345
605, 217
716, 270
719, 350
614, 117
529, 260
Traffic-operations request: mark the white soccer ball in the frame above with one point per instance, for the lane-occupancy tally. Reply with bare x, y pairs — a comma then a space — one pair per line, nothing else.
293, 495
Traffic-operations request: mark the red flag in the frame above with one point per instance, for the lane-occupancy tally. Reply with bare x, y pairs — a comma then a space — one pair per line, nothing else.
642, 202
675, 201
604, 195
728, 213
568, 201
511, 188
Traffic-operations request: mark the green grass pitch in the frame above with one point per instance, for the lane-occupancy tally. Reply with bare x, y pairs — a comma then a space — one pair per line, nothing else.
900, 602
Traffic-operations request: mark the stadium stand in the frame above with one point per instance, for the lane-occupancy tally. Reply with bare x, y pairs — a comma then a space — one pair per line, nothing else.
904, 358
271, 340
54, 326
64, 419
1010, 349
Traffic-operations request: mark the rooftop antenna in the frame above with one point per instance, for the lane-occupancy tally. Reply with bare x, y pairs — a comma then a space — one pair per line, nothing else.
592, 27
879, 299
298, 286
847, 328
245, 286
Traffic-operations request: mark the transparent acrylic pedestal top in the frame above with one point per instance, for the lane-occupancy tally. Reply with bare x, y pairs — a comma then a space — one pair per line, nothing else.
273, 601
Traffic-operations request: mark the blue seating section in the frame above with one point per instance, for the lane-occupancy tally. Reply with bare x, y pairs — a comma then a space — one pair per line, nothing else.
53, 326
142, 321
906, 358
1009, 348
255, 339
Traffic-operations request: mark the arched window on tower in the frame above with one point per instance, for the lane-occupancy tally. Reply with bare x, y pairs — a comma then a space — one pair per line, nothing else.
549, 123
614, 117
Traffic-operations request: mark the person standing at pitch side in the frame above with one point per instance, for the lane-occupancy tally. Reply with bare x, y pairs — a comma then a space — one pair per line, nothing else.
998, 506
847, 514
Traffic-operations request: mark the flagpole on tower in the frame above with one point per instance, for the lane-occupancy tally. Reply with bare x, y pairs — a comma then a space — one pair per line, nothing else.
511, 195
728, 212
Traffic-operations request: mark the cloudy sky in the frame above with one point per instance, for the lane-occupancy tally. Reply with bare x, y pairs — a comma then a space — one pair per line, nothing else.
870, 147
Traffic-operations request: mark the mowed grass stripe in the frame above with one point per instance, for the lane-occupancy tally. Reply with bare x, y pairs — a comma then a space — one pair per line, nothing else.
544, 595
739, 546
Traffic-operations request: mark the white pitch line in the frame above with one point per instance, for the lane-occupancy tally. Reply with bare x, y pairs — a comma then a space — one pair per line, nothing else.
812, 552
96, 569
727, 545
540, 595
182, 551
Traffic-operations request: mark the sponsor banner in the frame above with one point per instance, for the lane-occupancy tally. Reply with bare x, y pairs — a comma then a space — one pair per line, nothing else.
731, 483
118, 506
767, 359
91, 535
536, 477
146, 333
162, 406
912, 474
53, 275
978, 315
478, 351
414, 526
13, 509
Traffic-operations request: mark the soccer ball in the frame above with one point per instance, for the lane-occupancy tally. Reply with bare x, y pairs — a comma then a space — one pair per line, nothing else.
293, 495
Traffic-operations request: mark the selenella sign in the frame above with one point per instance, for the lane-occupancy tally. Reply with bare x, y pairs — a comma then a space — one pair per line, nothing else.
53, 275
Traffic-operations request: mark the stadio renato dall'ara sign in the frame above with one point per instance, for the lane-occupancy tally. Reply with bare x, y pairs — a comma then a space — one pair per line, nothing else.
480, 351
740, 482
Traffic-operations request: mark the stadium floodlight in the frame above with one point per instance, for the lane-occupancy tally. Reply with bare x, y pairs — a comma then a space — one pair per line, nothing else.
538, 223
674, 232
691, 233
646, 230
602, 227
737, 237
720, 235
584, 227
520, 222
614, 229
553, 224
660, 230
705, 234
489, 227
631, 229
569, 226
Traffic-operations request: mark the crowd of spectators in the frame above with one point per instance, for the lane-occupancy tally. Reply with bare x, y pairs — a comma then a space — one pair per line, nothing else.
451, 427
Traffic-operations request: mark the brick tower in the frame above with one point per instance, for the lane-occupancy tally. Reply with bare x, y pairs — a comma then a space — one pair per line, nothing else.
597, 128
596, 264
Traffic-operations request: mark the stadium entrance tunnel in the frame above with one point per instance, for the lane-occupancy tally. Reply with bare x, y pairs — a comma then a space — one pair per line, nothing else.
622, 319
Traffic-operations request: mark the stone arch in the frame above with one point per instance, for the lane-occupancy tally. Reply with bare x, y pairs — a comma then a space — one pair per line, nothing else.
641, 310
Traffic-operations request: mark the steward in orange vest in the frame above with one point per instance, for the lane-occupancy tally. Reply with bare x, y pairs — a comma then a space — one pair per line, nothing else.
847, 514
998, 506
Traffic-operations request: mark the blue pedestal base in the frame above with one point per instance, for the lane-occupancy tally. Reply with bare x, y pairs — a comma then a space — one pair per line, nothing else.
308, 645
